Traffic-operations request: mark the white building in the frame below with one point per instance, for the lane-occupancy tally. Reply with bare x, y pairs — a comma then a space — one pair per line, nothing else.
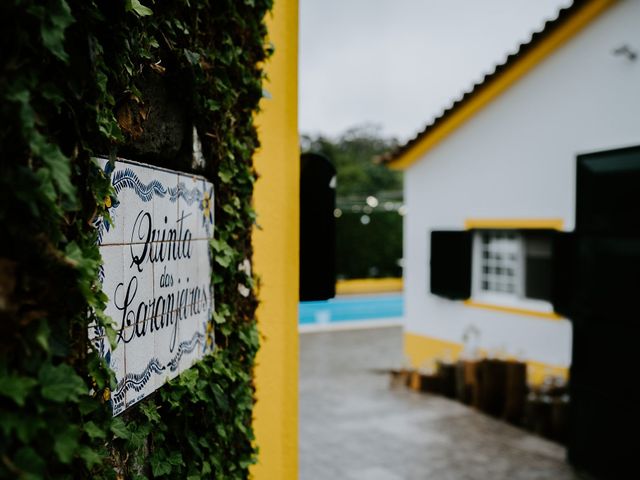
500, 164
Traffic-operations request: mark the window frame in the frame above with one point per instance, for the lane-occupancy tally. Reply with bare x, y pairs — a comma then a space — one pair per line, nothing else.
517, 299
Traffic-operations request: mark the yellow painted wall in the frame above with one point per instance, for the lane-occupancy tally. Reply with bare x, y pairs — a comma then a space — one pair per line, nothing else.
276, 254
422, 351
368, 285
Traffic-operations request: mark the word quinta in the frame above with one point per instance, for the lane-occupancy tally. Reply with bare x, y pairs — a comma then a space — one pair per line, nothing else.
157, 246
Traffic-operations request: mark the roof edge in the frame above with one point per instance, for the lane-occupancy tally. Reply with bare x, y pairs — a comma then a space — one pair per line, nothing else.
529, 55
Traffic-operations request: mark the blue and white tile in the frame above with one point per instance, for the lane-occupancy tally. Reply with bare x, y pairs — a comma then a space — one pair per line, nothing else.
111, 231
165, 279
112, 274
143, 370
201, 251
166, 342
165, 205
188, 268
137, 276
193, 338
137, 187
195, 274
137, 288
116, 362
196, 203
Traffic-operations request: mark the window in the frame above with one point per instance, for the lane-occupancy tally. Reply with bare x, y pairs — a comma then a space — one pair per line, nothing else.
499, 262
512, 268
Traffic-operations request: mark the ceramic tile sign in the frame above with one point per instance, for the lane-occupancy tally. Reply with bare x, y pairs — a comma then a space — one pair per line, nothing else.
157, 274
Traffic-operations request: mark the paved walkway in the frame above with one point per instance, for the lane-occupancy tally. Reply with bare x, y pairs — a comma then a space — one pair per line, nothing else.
354, 427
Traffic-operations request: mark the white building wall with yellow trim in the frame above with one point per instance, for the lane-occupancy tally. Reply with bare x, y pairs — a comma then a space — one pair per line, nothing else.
515, 161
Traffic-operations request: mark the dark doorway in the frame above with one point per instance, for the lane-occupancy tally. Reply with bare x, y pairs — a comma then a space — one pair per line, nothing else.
603, 307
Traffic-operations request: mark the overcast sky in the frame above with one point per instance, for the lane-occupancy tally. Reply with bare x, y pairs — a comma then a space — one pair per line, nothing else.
398, 63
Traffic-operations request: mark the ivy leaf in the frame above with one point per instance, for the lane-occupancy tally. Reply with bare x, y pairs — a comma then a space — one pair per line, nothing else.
111, 336
60, 383
223, 260
53, 94
120, 430
225, 176
66, 443
219, 318
193, 57
221, 431
88, 405
27, 116
42, 335
219, 395
28, 460
159, 464
56, 164
175, 458
138, 8
229, 209
150, 411
94, 431
224, 252
90, 456
46, 187
53, 26
16, 388
25, 427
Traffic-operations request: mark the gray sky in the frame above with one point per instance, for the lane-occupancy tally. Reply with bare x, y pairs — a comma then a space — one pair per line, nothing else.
398, 63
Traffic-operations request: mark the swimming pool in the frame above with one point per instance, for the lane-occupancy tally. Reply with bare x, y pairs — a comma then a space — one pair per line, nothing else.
351, 308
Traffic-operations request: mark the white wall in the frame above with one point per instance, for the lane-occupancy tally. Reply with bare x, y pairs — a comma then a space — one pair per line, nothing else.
516, 159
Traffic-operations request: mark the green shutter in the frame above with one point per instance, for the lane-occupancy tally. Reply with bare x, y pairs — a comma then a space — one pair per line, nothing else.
450, 273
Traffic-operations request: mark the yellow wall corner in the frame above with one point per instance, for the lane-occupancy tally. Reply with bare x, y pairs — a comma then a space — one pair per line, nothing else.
276, 246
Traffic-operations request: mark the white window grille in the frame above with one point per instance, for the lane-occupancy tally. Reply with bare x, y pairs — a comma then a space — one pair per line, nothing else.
498, 262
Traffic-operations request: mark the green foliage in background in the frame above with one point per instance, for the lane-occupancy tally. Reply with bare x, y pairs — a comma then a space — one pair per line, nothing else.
353, 154
371, 250
70, 87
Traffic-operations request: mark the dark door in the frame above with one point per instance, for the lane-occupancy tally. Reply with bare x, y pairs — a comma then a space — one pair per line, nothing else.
605, 284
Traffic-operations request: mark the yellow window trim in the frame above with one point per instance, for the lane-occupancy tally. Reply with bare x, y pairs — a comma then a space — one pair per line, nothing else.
518, 311
580, 19
515, 223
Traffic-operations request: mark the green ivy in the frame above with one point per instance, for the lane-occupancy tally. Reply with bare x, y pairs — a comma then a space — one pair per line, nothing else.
70, 78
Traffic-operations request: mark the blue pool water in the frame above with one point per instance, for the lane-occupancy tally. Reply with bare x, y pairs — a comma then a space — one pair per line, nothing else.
351, 308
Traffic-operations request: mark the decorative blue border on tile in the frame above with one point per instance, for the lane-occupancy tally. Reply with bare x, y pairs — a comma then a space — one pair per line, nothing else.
126, 178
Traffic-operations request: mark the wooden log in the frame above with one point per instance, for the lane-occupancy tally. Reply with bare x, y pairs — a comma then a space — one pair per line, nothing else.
492, 384
447, 373
515, 391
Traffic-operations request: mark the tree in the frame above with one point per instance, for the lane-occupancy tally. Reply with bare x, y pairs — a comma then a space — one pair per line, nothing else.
353, 153
368, 230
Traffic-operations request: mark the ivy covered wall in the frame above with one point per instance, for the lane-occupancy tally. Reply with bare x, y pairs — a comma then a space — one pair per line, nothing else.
120, 78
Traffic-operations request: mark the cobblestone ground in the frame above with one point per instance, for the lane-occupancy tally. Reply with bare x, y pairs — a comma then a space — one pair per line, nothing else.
354, 427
